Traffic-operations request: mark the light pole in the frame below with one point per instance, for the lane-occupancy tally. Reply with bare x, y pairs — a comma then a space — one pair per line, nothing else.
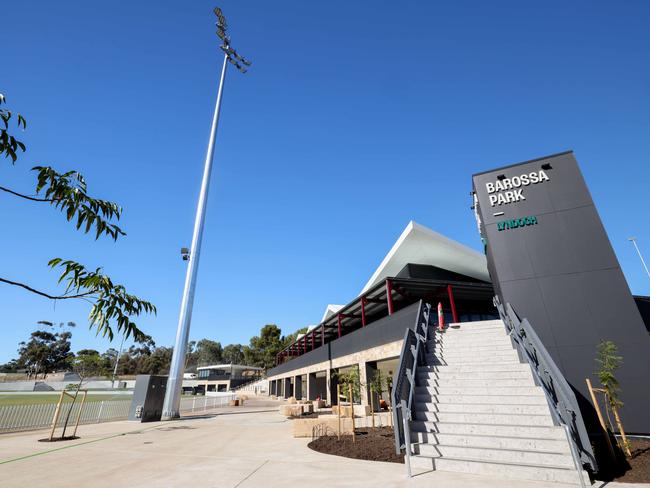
638, 251
175, 381
117, 360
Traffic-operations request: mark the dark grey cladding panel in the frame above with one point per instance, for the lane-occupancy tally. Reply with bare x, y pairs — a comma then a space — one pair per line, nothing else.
589, 250
318, 355
566, 189
383, 331
563, 276
426, 271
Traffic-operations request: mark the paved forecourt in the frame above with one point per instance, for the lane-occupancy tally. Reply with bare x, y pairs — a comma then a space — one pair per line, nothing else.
239, 447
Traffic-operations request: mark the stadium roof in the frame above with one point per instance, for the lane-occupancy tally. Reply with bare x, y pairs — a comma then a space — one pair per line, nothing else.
421, 245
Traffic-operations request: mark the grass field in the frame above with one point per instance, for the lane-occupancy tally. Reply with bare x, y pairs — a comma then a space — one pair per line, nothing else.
40, 398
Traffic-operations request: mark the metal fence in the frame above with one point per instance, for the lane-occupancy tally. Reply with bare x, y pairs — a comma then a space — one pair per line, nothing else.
200, 403
17, 418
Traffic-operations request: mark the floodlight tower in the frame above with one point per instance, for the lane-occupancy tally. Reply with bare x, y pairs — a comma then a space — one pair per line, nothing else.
171, 407
638, 251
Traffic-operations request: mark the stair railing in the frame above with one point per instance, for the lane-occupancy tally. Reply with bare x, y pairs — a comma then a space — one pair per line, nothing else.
559, 395
413, 351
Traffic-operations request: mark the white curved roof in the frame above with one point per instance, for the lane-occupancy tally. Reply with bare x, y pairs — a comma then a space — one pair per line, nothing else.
420, 245
330, 310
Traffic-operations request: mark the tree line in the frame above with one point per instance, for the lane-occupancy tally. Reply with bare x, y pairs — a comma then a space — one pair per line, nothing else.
49, 350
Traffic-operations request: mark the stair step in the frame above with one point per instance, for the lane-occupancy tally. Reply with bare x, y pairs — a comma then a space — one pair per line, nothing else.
527, 431
471, 368
537, 399
434, 361
446, 355
492, 330
501, 408
462, 382
444, 374
460, 347
499, 455
501, 470
485, 418
477, 390
492, 442
477, 323
497, 336
462, 352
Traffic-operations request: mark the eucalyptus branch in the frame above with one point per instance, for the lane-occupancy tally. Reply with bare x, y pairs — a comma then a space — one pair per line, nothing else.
9, 145
111, 303
43, 294
112, 306
27, 197
67, 192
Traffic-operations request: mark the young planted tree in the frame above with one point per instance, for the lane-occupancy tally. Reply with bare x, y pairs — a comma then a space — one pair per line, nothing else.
609, 361
377, 386
67, 192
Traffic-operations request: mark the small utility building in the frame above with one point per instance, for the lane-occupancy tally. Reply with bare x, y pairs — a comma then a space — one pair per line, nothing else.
225, 377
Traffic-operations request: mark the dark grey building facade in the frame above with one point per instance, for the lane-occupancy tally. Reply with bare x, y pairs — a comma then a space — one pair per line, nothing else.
551, 259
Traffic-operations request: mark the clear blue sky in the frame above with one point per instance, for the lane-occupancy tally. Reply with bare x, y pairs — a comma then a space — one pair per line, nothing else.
355, 118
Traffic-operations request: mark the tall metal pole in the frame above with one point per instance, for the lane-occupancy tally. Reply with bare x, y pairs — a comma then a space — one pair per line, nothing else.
638, 251
117, 360
175, 382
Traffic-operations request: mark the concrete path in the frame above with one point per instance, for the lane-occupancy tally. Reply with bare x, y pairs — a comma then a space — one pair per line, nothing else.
241, 447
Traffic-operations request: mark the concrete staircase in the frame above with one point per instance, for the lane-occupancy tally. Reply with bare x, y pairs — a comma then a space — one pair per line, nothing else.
478, 410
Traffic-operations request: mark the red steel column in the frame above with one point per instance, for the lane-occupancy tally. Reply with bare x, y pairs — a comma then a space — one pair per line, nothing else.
322, 335
313, 339
454, 314
389, 296
363, 311
305, 343
339, 317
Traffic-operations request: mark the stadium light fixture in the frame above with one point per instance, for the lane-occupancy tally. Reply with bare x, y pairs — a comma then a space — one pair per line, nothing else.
171, 406
638, 251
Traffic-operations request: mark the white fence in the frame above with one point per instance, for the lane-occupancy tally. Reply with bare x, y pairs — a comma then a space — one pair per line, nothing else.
259, 387
208, 402
16, 418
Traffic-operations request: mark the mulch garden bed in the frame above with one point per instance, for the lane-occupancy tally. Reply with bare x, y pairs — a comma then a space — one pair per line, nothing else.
639, 464
376, 444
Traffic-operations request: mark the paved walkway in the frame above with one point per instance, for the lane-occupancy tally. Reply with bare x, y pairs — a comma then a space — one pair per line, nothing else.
231, 448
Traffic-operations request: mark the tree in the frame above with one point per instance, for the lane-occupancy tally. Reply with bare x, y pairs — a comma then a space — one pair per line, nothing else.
157, 362
609, 362
233, 354
45, 352
291, 338
264, 348
377, 386
88, 362
208, 352
112, 306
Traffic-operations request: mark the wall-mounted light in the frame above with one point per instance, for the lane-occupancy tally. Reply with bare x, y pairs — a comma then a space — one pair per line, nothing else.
185, 253
501, 177
547, 166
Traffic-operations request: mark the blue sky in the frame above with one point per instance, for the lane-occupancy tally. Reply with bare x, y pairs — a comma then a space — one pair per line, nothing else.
355, 118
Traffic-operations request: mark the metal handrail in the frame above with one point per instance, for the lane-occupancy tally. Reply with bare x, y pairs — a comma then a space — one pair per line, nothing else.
559, 395
412, 354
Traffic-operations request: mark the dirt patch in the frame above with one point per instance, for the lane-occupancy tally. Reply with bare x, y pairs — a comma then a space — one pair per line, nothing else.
639, 470
60, 439
376, 444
